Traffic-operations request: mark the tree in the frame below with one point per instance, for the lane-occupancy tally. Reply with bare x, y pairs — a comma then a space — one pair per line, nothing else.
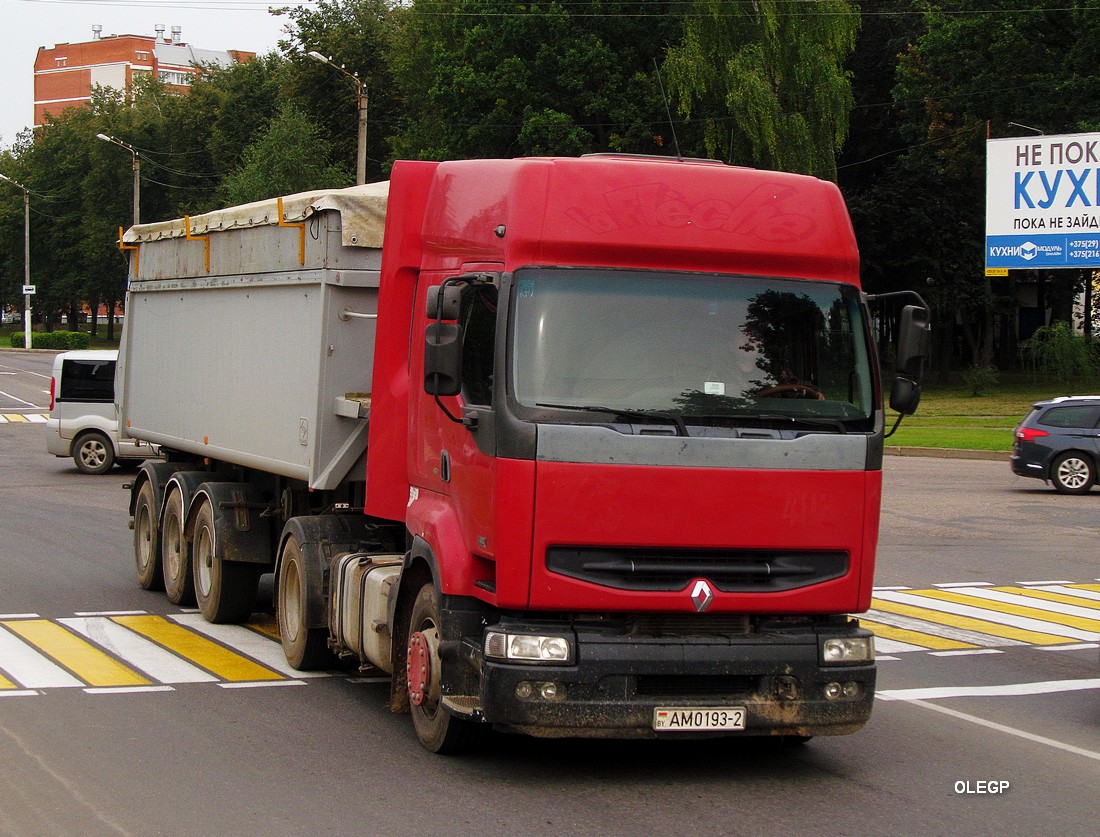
289, 157
487, 78
767, 80
971, 71
360, 36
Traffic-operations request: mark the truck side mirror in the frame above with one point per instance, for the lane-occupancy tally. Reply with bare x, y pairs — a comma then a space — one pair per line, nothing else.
913, 333
444, 302
904, 396
443, 359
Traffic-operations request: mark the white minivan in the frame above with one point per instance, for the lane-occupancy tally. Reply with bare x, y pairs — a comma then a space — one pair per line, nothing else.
83, 420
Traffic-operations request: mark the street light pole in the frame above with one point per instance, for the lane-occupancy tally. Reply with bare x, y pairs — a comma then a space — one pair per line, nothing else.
361, 106
136, 169
26, 259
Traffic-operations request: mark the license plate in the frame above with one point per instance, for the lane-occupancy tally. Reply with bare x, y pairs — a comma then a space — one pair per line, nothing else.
695, 718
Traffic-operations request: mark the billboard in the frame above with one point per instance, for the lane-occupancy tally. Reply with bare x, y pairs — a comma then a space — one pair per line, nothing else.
1042, 202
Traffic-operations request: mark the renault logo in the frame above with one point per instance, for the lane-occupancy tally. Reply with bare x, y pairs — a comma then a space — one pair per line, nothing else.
701, 596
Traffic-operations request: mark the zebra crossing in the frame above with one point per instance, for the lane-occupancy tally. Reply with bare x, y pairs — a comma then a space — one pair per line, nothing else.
951, 619
135, 651
23, 418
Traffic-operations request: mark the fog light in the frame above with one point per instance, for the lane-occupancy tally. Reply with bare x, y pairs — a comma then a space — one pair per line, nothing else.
833, 691
552, 691
524, 689
851, 689
856, 649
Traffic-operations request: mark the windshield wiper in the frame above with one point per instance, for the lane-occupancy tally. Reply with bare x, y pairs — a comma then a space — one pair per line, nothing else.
675, 419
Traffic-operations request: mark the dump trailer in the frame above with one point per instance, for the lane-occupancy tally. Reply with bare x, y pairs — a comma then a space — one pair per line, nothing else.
567, 447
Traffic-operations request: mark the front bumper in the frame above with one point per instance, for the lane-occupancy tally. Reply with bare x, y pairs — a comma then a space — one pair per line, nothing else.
619, 680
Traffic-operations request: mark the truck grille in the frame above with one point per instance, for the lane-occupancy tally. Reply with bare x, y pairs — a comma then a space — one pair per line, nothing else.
731, 571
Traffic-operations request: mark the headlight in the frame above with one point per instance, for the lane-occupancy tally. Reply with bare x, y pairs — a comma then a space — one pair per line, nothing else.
528, 648
856, 649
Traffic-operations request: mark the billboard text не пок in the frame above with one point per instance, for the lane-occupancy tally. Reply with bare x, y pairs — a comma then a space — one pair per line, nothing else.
1043, 202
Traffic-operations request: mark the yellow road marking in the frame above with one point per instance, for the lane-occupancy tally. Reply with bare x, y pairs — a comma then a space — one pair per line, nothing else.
1095, 588
79, 656
969, 623
203, 652
264, 624
914, 637
6, 684
1061, 598
16, 417
1080, 622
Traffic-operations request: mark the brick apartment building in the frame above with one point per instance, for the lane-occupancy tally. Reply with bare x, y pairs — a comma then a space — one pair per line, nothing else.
65, 74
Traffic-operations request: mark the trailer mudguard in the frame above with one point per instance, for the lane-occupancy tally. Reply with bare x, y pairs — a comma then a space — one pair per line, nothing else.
156, 473
187, 482
243, 534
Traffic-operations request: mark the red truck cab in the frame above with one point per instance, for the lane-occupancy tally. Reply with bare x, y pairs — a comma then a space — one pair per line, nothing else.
630, 414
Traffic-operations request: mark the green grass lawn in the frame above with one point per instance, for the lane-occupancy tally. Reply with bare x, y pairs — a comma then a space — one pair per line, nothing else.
951, 416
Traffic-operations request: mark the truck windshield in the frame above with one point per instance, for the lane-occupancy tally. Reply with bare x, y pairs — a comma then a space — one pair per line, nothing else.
700, 348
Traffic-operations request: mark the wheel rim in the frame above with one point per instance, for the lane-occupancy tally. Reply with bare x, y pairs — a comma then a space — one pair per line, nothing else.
1073, 473
93, 454
203, 556
290, 601
144, 528
422, 666
172, 557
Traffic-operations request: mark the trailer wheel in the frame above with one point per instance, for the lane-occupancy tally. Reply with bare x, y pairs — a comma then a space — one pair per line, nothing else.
175, 553
438, 730
224, 590
146, 541
306, 648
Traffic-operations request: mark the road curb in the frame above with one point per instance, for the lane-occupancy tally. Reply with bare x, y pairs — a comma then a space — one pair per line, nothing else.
950, 453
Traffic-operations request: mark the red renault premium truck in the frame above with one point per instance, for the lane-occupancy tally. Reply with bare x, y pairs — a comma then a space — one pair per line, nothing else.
577, 447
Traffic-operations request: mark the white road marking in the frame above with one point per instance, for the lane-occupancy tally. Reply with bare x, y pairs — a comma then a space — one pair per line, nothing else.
1006, 690
253, 684
30, 669
1019, 733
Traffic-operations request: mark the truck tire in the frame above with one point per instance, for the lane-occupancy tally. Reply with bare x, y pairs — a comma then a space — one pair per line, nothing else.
306, 648
225, 591
438, 730
93, 453
146, 540
175, 553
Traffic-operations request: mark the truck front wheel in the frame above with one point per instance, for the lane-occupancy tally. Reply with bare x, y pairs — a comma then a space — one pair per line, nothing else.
175, 552
306, 648
224, 590
438, 730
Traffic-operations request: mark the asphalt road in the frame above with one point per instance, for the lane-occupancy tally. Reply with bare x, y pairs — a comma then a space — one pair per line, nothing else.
283, 755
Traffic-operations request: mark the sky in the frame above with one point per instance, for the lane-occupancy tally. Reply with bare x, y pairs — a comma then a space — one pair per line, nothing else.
26, 25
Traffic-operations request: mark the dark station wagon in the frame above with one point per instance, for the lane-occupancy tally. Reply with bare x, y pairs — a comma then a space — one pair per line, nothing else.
1059, 441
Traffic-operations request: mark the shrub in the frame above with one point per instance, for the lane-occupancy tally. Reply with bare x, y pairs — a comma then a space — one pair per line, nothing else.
53, 340
980, 378
1056, 350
